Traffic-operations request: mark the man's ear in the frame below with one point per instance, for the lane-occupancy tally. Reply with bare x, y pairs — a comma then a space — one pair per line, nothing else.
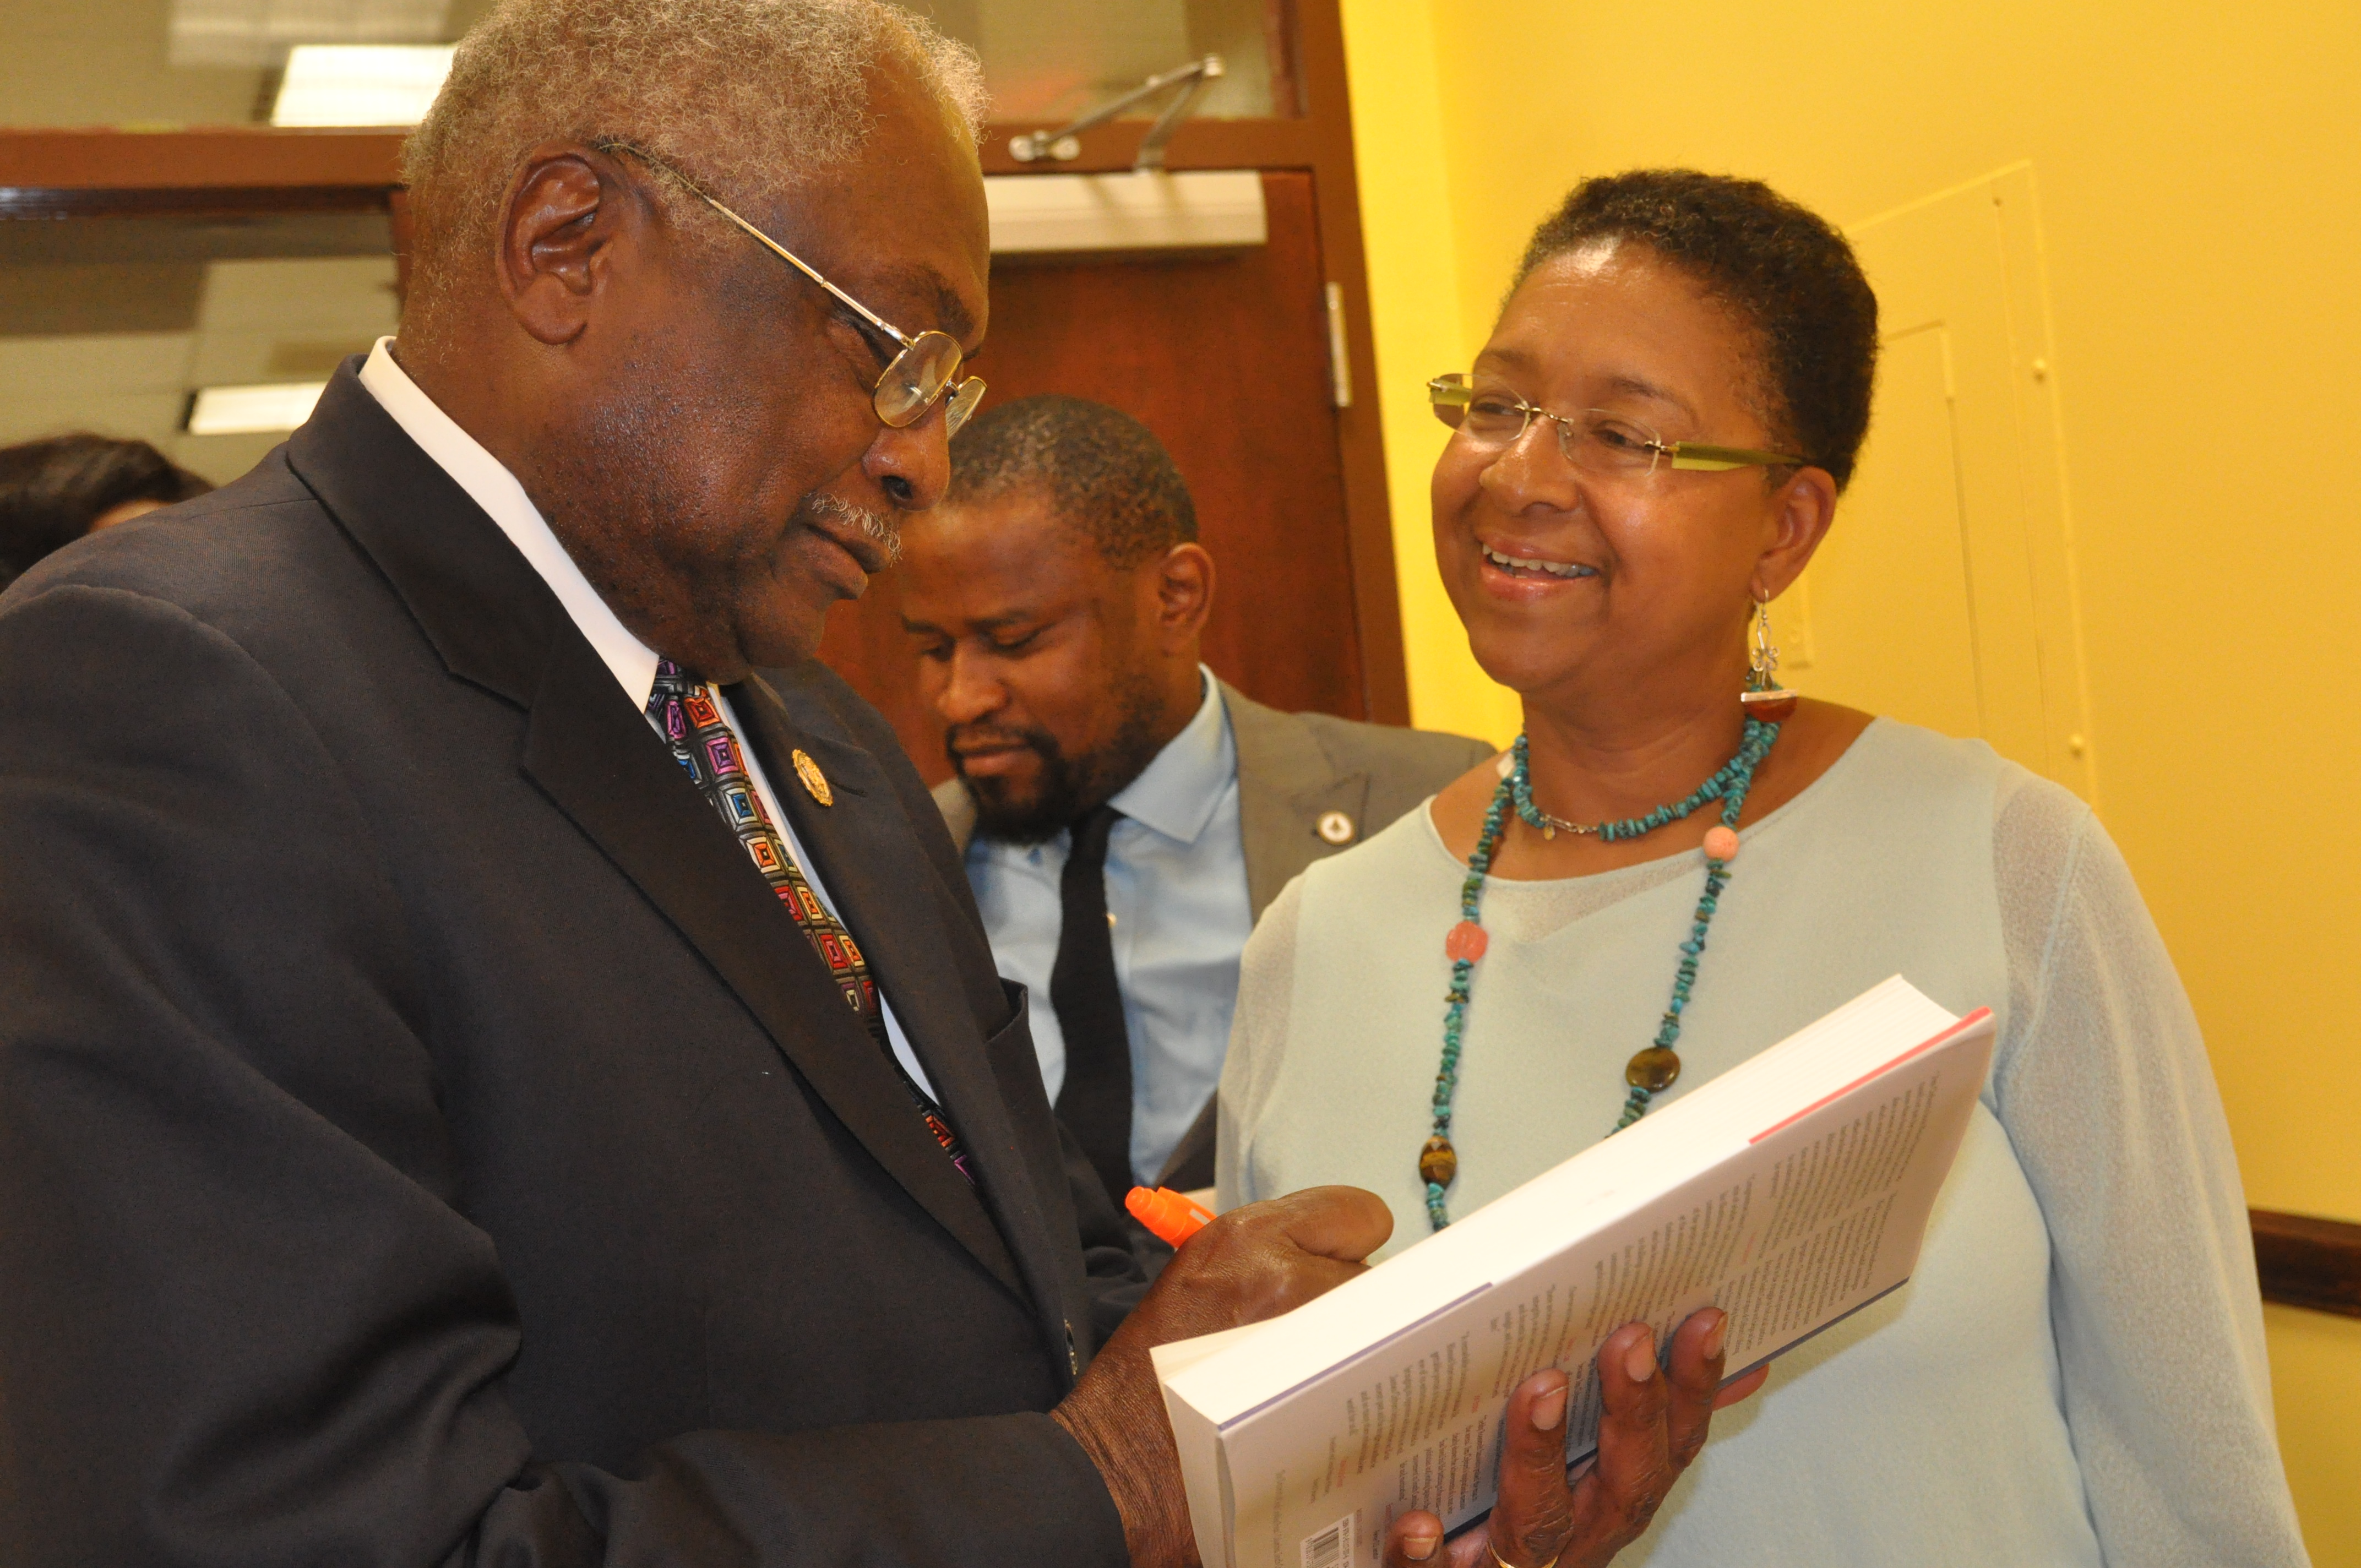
1185, 596
1807, 505
565, 216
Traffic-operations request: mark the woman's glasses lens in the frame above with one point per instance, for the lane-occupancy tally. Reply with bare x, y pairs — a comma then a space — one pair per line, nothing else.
1448, 395
1485, 416
1594, 440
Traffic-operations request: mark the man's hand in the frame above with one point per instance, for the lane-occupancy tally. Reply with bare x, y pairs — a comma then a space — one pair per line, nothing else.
1252, 1263
1654, 1424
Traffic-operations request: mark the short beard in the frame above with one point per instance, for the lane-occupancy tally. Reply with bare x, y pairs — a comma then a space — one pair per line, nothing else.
1070, 786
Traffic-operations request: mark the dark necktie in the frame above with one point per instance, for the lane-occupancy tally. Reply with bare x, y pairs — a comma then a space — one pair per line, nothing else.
1095, 1102
685, 712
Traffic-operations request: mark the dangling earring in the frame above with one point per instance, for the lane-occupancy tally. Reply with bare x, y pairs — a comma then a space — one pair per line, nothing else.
1763, 698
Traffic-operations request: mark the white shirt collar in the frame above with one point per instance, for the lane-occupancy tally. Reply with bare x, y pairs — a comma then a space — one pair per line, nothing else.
493, 487
1177, 792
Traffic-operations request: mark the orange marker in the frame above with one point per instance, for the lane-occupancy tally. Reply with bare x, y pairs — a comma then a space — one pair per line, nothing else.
1168, 1215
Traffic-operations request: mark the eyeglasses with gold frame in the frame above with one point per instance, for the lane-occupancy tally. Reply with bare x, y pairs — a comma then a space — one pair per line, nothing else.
1594, 440
928, 364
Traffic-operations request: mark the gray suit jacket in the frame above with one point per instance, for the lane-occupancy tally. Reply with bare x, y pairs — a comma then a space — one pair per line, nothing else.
1309, 785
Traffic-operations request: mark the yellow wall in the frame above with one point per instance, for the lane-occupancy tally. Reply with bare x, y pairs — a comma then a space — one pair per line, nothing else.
2203, 221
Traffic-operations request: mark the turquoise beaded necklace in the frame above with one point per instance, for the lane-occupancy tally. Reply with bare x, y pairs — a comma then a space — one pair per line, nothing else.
1650, 1072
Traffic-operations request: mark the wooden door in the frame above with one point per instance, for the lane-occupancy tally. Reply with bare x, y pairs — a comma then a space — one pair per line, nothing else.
1225, 358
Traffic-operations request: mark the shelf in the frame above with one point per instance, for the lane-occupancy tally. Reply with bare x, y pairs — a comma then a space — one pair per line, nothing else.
230, 170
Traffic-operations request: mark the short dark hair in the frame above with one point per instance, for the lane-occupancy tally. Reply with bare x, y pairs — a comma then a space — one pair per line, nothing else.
53, 490
1102, 471
1779, 267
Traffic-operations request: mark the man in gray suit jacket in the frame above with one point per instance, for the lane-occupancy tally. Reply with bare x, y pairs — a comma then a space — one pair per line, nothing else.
1124, 816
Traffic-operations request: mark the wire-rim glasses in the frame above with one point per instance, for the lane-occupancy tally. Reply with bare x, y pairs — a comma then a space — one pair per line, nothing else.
1596, 440
928, 364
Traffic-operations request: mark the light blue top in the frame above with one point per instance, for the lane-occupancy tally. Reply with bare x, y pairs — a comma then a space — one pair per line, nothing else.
2074, 1375
1176, 883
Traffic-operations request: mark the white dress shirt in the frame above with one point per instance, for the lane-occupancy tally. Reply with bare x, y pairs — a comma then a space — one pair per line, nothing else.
634, 664
1176, 883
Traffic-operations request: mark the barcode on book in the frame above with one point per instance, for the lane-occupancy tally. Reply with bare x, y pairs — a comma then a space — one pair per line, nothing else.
1332, 1547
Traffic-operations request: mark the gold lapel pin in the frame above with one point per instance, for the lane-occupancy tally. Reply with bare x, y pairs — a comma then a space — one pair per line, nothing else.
814, 779
1335, 826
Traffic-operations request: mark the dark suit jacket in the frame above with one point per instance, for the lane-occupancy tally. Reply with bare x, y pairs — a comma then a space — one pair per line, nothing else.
1309, 785
423, 1137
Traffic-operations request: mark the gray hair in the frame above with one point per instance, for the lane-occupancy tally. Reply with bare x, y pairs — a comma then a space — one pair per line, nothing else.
740, 95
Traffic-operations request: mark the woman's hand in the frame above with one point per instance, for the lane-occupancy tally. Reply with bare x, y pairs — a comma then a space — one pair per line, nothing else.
1654, 1425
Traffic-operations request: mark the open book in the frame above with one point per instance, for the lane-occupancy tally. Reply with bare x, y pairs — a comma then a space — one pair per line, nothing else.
1790, 1191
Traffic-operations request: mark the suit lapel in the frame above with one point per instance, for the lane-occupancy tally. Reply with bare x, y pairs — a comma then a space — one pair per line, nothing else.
874, 869
1285, 784
477, 599
495, 623
605, 768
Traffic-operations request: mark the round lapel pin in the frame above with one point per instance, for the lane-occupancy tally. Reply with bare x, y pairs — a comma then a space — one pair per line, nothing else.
1335, 826
815, 781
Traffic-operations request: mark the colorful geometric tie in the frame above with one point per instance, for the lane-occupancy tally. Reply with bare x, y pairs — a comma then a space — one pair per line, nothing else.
684, 713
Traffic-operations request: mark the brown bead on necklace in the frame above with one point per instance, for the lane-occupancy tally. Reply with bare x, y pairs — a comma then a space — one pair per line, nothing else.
1656, 1069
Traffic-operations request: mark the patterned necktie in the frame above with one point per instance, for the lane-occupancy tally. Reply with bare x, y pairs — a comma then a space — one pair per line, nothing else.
684, 713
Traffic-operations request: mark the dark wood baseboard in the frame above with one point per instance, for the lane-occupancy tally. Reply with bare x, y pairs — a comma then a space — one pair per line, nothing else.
2308, 1262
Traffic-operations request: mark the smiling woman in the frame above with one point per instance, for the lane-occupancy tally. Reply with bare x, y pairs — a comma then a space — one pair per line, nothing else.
1656, 884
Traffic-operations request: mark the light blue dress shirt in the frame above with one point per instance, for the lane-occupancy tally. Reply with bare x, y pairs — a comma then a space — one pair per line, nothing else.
1176, 883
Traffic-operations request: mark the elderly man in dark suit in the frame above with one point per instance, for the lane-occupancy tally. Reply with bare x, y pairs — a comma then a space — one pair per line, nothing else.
485, 1079
1125, 816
